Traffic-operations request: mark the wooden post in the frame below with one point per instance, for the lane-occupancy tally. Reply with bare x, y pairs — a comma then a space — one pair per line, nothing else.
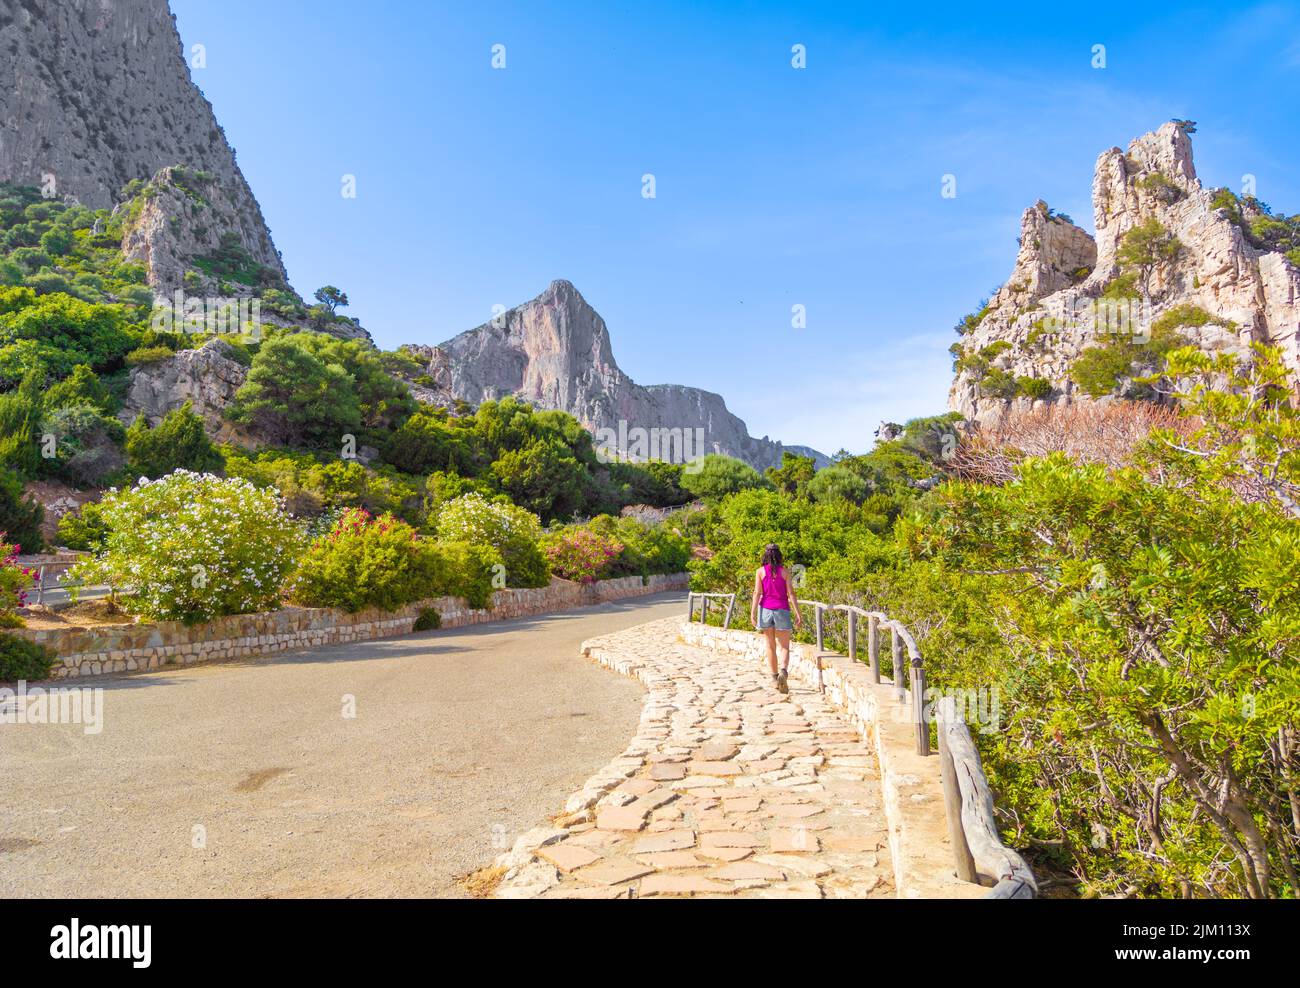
952, 799
690, 606
704, 610
918, 708
731, 602
873, 646
853, 636
896, 651
819, 627
40, 584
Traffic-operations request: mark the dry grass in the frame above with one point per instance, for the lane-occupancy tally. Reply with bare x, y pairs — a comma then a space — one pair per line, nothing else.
482, 884
1089, 432
85, 614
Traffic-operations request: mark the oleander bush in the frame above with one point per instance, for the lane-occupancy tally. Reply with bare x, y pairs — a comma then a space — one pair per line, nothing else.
515, 533
581, 555
369, 561
192, 547
15, 581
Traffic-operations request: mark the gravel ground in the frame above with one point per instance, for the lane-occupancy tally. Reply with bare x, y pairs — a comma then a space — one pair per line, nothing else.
251, 778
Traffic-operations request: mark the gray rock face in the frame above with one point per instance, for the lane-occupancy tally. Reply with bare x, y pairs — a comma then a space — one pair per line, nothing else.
554, 352
208, 377
97, 93
1043, 312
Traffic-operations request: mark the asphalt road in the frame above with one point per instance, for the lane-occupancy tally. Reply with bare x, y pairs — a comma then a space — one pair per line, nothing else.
250, 778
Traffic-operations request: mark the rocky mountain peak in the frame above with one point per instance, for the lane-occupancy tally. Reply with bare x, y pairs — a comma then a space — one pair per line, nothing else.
555, 352
96, 94
1212, 284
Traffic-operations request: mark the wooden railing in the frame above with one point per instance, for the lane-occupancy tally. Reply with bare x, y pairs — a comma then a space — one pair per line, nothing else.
704, 599
978, 851
900, 640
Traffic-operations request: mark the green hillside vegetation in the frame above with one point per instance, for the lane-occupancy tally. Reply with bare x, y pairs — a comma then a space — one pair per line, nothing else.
335, 424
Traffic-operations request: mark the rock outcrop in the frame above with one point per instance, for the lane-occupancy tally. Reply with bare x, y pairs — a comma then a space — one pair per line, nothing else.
1060, 299
554, 352
95, 94
207, 377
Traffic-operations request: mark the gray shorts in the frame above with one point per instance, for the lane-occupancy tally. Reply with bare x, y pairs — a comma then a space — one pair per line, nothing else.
778, 619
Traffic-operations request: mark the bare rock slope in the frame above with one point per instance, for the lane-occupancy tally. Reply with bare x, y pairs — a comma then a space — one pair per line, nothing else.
95, 94
554, 352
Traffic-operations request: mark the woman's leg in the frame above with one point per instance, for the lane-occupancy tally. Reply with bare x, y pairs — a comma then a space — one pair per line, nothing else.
770, 634
783, 638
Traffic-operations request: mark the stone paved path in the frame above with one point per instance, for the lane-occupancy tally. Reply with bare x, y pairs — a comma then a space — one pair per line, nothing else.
729, 789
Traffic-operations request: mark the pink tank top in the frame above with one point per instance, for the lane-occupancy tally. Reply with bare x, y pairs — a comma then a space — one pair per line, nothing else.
774, 592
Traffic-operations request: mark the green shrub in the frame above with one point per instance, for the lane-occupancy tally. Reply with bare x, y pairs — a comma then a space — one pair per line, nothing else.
472, 572
87, 444
513, 532
647, 549
144, 355
20, 518
23, 659
998, 383
1179, 316
178, 442
1098, 370
1161, 188
192, 547
427, 620
544, 477
313, 484
968, 322
838, 481
81, 387
1125, 286
20, 424
427, 443
368, 561
1034, 387
715, 476
84, 529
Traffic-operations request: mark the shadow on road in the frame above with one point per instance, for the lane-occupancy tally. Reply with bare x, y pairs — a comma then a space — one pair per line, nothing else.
420, 643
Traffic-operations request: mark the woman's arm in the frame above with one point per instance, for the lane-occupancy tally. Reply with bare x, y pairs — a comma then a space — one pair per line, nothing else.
794, 601
753, 602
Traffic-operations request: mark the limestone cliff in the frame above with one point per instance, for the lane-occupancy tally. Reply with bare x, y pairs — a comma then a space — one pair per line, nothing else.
1068, 292
95, 94
554, 352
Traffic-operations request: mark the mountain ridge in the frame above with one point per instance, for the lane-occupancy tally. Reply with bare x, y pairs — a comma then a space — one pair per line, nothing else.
555, 352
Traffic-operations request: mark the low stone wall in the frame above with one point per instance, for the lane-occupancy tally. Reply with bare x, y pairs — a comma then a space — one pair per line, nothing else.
131, 647
913, 790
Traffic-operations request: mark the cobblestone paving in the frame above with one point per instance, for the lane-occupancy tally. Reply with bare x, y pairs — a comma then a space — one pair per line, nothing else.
729, 789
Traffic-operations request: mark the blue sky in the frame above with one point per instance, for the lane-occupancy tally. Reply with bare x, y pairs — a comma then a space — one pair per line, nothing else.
775, 186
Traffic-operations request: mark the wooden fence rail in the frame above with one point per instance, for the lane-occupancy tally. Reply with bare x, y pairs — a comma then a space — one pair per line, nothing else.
978, 852
704, 598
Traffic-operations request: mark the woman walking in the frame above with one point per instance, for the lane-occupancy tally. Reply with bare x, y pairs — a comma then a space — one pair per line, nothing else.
771, 609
